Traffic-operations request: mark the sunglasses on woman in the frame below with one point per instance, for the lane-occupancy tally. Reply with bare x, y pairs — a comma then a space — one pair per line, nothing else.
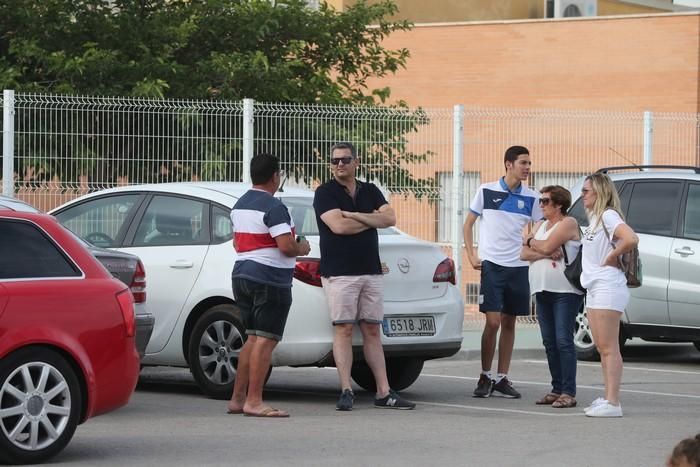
545, 201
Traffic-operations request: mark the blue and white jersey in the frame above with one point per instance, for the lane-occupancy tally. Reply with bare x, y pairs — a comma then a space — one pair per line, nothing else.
504, 214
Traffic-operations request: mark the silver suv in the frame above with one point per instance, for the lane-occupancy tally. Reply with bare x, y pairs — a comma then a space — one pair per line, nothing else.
662, 204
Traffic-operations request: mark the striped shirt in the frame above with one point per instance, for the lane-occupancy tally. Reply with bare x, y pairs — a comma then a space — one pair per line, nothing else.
257, 218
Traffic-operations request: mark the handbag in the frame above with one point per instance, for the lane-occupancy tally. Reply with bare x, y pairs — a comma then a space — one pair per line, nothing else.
630, 264
573, 269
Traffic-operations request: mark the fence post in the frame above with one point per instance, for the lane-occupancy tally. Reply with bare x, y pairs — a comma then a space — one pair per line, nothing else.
457, 194
648, 138
248, 135
8, 143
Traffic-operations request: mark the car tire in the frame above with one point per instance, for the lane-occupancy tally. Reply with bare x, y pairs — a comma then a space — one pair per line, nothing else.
583, 338
400, 371
214, 345
48, 372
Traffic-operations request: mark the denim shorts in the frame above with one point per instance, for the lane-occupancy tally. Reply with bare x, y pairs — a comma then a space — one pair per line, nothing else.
504, 289
264, 307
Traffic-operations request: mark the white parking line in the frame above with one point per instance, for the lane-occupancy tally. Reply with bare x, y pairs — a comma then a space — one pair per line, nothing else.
579, 386
633, 368
496, 409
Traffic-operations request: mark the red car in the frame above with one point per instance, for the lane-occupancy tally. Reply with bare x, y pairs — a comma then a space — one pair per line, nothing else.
67, 347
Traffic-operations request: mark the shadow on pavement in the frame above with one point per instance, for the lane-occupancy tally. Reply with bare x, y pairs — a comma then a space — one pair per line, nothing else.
654, 352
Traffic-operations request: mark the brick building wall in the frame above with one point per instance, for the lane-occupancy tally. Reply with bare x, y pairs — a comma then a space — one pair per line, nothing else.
631, 63
421, 11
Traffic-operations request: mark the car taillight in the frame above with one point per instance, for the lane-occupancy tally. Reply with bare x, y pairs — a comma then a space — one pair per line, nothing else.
307, 271
138, 283
126, 304
445, 271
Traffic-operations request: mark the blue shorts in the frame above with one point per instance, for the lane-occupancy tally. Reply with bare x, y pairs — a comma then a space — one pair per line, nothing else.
264, 308
504, 289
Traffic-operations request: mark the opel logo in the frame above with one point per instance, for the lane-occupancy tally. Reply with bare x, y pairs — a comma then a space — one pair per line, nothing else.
403, 265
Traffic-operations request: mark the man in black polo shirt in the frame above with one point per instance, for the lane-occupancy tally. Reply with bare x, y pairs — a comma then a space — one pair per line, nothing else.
349, 212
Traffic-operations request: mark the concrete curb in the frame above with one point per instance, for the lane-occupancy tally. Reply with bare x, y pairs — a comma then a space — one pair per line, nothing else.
528, 344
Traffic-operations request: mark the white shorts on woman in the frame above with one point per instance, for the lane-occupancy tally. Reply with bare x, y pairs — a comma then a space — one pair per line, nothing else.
604, 297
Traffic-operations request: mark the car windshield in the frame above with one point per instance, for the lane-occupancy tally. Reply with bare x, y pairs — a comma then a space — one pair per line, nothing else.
302, 211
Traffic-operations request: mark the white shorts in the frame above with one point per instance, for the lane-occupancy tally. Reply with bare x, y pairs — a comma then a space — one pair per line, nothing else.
608, 298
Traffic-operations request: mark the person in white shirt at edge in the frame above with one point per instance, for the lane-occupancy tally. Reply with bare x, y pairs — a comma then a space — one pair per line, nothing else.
605, 283
506, 207
558, 302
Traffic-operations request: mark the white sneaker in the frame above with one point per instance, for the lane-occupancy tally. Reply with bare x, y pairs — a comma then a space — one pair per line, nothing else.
605, 409
598, 401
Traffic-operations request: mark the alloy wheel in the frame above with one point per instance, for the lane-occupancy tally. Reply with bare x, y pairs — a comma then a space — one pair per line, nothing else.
35, 406
219, 348
583, 338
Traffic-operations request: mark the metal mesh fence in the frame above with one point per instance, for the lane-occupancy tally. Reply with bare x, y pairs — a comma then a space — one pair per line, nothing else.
65, 146
401, 150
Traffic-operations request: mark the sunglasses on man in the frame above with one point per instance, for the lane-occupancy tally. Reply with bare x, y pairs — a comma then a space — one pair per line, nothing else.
344, 160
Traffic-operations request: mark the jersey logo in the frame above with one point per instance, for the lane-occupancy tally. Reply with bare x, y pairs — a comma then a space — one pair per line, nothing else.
508, 202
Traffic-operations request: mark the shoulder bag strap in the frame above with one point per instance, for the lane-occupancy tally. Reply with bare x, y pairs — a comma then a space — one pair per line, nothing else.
606, 233
620, 261
563, 247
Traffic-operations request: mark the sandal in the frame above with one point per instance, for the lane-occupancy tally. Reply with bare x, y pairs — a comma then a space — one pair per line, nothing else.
565, 401
268, 412
548, 399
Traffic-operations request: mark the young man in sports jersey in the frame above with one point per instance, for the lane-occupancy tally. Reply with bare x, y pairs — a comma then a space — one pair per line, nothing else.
263, 236
505, 206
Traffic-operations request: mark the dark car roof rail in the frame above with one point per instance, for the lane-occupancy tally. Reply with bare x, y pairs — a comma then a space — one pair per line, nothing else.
642, 167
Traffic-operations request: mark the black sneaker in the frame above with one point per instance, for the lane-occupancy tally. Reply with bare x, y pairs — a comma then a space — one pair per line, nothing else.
347, 397
505, 387
484, 387
393, 401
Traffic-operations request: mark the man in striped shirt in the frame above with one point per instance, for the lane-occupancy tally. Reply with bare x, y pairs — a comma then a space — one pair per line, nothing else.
263, 236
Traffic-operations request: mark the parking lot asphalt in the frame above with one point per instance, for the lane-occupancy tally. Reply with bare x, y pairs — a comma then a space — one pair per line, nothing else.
168, 421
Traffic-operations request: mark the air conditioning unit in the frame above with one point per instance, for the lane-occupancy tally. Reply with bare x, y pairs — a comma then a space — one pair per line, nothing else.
570, 8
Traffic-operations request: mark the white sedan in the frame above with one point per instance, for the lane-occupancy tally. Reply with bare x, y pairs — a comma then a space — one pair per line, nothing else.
182, 233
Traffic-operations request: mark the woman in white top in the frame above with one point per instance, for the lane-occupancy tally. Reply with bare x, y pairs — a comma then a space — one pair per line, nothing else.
558, 302
604, 240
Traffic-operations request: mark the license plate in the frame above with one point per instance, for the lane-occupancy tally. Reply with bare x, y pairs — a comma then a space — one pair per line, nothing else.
409, 326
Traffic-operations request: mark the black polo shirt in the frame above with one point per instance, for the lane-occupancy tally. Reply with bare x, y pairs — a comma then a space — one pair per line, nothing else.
348, 255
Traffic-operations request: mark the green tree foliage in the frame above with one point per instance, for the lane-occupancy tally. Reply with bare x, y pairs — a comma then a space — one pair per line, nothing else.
226, 50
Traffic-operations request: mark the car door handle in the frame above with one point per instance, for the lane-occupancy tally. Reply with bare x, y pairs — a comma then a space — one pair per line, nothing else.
182, 264
685, 251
